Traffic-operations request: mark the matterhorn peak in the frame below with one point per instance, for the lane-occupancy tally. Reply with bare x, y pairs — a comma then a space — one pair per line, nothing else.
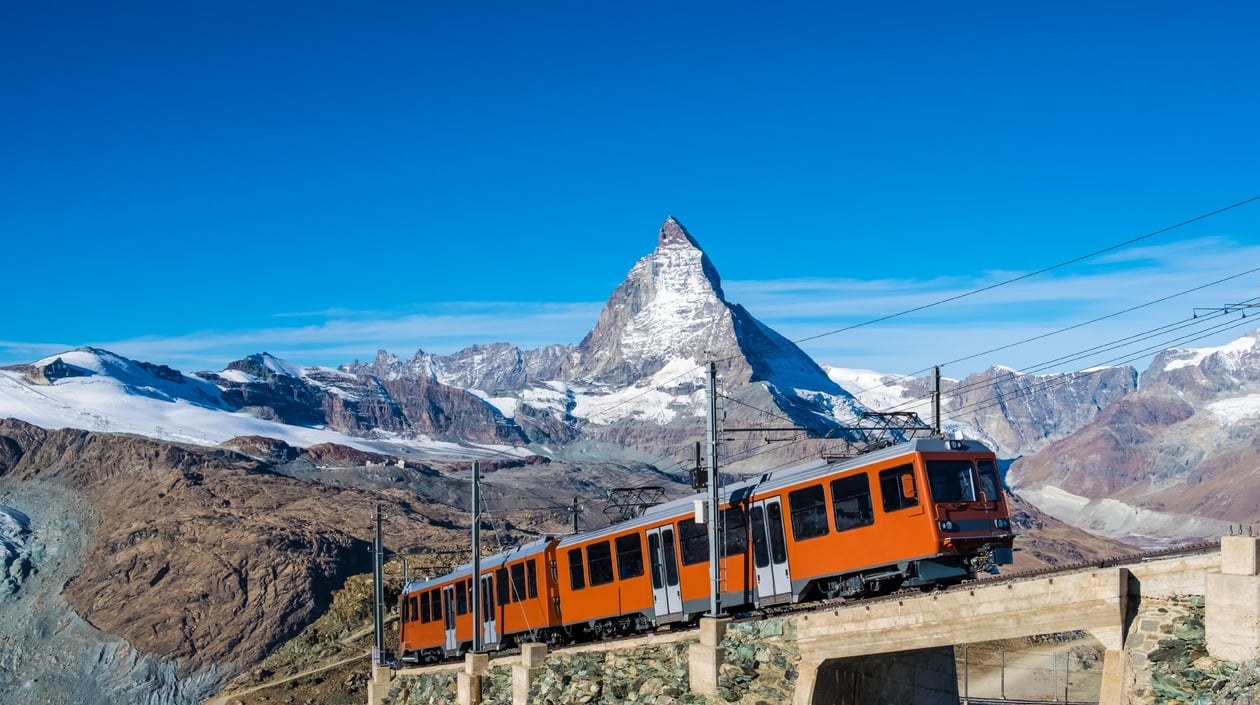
673, 234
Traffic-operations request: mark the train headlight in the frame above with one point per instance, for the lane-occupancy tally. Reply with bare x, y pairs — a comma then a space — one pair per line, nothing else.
947, 525
1001, 524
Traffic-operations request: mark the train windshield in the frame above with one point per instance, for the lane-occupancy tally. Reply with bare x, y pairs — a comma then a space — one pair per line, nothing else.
952, 480
988, 480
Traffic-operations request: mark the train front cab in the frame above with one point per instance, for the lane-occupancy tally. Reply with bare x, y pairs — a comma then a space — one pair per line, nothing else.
971, 515
877, 524
519, 599
424, 630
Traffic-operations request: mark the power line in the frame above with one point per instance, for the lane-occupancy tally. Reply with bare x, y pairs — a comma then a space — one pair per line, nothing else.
1028, 275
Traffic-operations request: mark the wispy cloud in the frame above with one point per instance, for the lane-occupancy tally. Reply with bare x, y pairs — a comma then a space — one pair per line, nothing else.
961, 327
340, 339
827, 312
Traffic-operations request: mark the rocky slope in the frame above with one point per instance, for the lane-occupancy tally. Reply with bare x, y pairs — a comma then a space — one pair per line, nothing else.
1013, 412
360, 404
1180, 457
185, 562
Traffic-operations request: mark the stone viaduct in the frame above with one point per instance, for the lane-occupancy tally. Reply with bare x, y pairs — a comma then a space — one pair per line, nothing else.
894, 650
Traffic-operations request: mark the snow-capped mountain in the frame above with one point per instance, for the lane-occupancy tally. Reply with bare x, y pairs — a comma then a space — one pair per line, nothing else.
1178, 457
670, 317
636, 381
638, 377
1013, 412
261, 395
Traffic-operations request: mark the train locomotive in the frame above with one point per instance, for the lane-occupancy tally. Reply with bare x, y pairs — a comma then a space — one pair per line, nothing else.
922, 514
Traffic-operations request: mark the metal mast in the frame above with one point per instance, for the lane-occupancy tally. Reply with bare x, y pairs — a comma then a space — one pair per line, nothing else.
936, 401
378, 586
477, 644
715, 568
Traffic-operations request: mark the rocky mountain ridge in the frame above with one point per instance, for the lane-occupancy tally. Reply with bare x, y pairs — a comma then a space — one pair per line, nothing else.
633, 387
1179, 457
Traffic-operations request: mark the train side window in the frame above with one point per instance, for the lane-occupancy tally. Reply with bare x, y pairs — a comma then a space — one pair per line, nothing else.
531, 579
599, 563
808, 510
461, 599
694, 542
487, 595
415, 610
654, 553
761, 552
501, 577
988, 480
851, 499
577, 574
629, 556
518, 582
424, 607
893, 484
778, 542
734, 532
435, 605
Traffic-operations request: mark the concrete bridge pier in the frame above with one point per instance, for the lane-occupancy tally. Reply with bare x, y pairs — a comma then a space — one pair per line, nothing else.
1232, 601
704, 660
524, 673
379, 684
468, 681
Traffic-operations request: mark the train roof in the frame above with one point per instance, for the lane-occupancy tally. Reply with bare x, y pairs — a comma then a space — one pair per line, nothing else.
781, 478
489, 562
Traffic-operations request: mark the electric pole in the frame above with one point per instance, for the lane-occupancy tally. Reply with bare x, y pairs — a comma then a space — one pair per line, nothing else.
477, 607
715, 567
378, 588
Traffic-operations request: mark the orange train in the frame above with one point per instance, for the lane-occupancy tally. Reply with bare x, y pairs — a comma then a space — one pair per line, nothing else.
924, 513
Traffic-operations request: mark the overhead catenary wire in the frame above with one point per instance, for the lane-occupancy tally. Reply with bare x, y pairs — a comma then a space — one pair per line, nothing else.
1160, 332
1065, 329
1028, 275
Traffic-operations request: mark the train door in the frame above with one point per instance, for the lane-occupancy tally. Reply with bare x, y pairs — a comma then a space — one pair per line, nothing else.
774, 582
663, 559
489, 632
448, 617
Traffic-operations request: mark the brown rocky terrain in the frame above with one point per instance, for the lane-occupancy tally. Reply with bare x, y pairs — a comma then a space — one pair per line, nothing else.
205, 556
1045, 542
1178, 459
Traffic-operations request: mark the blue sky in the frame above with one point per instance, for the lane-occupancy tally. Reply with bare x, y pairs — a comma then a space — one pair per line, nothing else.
190, 183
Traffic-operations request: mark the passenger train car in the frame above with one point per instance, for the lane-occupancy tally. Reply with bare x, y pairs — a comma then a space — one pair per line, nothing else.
924, 513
